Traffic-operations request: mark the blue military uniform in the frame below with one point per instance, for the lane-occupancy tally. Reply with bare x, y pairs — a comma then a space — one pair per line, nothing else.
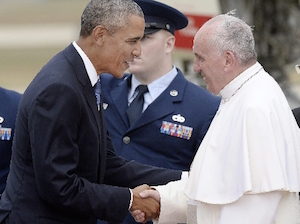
168, 133
9, 101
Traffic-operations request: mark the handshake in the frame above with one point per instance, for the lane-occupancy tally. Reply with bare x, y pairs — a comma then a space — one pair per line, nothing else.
145, 204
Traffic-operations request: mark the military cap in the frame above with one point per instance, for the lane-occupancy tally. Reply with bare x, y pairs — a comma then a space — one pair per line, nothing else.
161, 16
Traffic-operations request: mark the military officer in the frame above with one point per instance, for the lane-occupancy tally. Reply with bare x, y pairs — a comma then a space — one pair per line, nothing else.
9, 101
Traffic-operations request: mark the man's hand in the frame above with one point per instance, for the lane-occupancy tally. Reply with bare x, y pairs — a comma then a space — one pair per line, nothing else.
143, 209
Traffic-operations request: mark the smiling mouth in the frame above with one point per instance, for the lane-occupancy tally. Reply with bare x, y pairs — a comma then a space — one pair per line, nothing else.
127, 64
131, 62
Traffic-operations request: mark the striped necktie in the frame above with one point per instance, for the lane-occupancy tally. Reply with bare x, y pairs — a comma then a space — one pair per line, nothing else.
97, 89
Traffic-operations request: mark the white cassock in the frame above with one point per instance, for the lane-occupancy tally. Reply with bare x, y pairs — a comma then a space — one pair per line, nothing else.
247, 168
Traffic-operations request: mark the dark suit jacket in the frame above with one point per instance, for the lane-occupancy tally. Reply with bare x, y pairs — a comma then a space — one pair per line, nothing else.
62, 154
9, 102
149, 140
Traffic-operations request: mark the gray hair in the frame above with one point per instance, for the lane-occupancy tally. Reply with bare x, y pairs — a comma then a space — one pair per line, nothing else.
112, 14
233, 34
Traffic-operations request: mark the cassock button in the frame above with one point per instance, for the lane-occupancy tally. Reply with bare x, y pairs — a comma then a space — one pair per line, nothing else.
126, 140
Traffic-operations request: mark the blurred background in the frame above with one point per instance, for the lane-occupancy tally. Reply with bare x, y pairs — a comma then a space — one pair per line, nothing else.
33, 31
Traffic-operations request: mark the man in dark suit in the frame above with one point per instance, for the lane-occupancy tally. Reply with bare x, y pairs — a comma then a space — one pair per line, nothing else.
63, 164
9, 101
176, 113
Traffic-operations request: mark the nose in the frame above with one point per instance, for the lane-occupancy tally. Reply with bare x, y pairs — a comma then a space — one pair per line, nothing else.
137, 50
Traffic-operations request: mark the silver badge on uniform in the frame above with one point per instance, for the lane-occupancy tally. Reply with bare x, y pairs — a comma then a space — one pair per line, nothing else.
104, 105
174, 92
178, 118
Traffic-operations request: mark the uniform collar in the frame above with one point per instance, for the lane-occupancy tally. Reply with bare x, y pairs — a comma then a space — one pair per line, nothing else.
157, 86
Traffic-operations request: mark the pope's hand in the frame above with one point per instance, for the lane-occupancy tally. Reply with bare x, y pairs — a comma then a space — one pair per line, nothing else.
151, 193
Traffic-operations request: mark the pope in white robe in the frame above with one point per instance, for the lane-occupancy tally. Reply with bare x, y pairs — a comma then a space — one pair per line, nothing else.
251, 148
247, 168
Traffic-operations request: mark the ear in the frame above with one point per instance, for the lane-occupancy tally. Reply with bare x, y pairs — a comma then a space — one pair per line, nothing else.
170, 42
230, 60
99, 33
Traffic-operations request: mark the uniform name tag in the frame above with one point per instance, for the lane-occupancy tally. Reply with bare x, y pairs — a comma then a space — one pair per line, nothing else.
5, 133
176, 130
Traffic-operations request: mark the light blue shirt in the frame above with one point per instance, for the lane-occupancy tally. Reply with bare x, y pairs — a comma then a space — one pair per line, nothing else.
155, 88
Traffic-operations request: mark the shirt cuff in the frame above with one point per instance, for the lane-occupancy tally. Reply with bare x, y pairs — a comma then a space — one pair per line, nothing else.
184, 175
131, 199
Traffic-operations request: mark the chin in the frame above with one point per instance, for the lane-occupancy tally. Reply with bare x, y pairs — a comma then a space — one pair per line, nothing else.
135, 64
118, 75
121, 74
134, 69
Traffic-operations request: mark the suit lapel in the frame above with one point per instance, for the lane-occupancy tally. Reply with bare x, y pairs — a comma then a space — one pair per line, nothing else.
82, 76
88, 91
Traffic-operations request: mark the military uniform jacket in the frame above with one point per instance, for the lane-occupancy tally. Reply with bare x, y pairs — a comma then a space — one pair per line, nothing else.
9, 101
62, 154
168, 133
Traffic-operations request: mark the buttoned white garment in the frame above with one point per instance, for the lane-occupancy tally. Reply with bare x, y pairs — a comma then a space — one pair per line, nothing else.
252, 145
252, 148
